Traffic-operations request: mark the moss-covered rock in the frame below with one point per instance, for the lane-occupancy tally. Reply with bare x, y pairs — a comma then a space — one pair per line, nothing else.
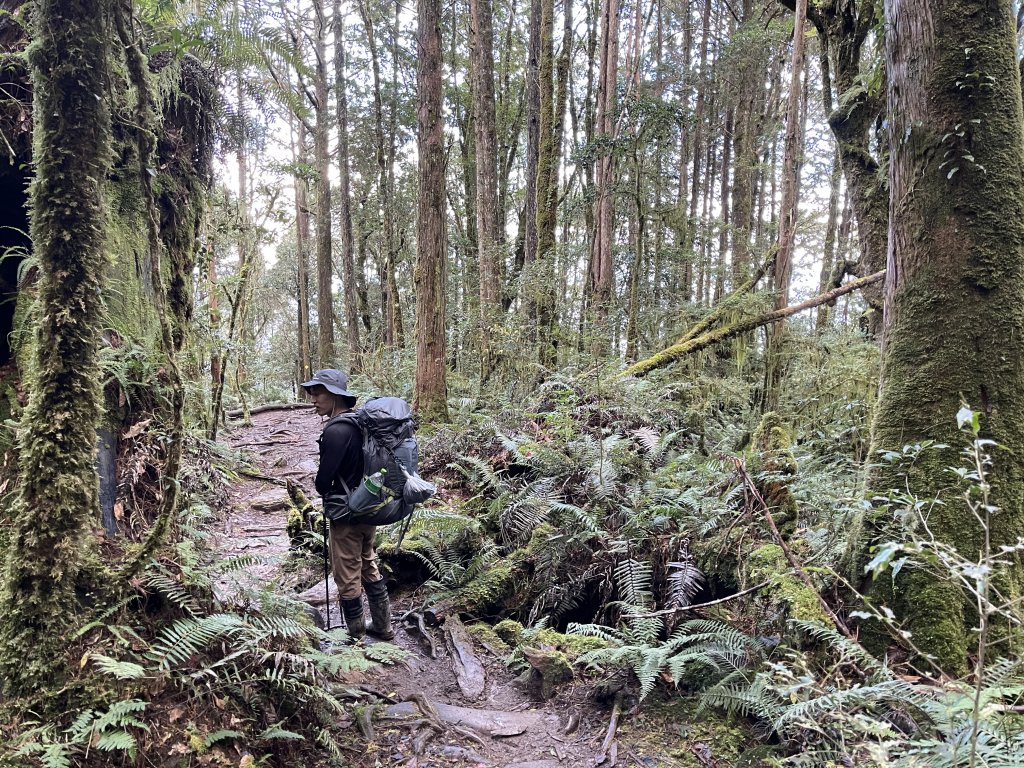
768, 563
772, 460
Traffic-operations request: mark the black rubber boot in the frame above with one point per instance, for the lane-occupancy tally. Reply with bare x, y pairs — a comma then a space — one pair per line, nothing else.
352, 607
380, 609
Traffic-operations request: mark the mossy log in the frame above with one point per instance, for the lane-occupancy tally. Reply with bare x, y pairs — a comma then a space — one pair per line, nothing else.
680, 350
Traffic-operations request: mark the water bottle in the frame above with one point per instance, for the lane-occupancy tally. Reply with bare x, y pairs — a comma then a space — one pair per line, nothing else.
375, 482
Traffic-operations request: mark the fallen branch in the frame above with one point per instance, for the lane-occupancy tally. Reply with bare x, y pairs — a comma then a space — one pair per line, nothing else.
262, 477
681, 350
417, 619
712, 318
609, 737
698, 606
239, 412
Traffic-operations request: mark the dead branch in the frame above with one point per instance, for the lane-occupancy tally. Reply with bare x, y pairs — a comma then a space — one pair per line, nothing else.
262, 477
613, 725
681, 350
417, 619
698, 606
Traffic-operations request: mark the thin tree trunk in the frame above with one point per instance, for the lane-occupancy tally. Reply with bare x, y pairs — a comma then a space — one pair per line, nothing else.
355, 352
322, 157
603, 242
485, 132
305, 368
788, 208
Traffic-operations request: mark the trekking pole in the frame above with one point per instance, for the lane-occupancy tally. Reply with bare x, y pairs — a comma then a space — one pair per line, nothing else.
327, 573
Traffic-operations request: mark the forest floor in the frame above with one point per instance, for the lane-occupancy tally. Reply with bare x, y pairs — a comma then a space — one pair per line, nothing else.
433, 722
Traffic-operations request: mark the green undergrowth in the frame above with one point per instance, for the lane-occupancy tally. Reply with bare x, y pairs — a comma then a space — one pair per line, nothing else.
606, 513
179, 667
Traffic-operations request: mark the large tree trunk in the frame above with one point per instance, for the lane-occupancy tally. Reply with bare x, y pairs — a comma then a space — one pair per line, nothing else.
430, 400
348, 267
57, 504
954, 294
485, 133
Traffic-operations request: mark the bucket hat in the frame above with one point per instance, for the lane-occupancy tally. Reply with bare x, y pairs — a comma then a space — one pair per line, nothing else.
331, 379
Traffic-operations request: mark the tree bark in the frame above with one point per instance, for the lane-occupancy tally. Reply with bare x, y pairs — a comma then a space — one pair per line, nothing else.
485, 134
321, 152
57, 502
954, 295
348, 267
602, 261
431, 393
305, 366
787, 209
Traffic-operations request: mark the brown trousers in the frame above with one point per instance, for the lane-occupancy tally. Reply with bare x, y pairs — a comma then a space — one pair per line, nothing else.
353, 559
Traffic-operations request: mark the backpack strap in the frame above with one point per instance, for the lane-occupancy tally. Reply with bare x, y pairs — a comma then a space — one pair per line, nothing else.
353, 418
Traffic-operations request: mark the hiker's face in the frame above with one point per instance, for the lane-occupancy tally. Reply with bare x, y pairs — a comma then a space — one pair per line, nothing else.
322, 400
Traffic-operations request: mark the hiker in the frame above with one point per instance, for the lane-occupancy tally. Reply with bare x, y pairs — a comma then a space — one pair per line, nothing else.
353, 559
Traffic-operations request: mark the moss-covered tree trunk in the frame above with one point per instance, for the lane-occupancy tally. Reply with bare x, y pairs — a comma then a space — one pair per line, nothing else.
954, 291
57, 503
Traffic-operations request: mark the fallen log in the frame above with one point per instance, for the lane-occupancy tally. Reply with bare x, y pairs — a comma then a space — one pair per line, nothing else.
236, 413
679, 351
469, 672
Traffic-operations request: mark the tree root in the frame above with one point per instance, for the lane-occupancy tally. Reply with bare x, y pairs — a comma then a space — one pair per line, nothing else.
417, 619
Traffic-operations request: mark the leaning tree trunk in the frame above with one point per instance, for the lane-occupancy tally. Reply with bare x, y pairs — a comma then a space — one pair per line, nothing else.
431, 394
57, 503
954, 293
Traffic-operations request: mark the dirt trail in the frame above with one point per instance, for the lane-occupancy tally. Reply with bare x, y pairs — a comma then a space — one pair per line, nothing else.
503, 726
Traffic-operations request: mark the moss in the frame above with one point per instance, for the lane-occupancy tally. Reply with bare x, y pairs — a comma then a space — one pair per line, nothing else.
773, 462
768, 563
573, 646
510, 631
58, 494
678, 732
485, 635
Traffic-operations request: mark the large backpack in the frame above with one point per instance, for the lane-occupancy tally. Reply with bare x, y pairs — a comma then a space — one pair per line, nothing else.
389, 446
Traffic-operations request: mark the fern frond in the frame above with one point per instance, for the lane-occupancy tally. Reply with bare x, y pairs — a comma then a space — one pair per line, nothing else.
122, 670
634, 580
277, 732
186, 637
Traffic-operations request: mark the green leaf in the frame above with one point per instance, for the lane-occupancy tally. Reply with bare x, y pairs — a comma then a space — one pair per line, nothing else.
883, 555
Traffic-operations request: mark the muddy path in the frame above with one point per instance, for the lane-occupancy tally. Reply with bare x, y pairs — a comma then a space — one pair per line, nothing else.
485, 718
